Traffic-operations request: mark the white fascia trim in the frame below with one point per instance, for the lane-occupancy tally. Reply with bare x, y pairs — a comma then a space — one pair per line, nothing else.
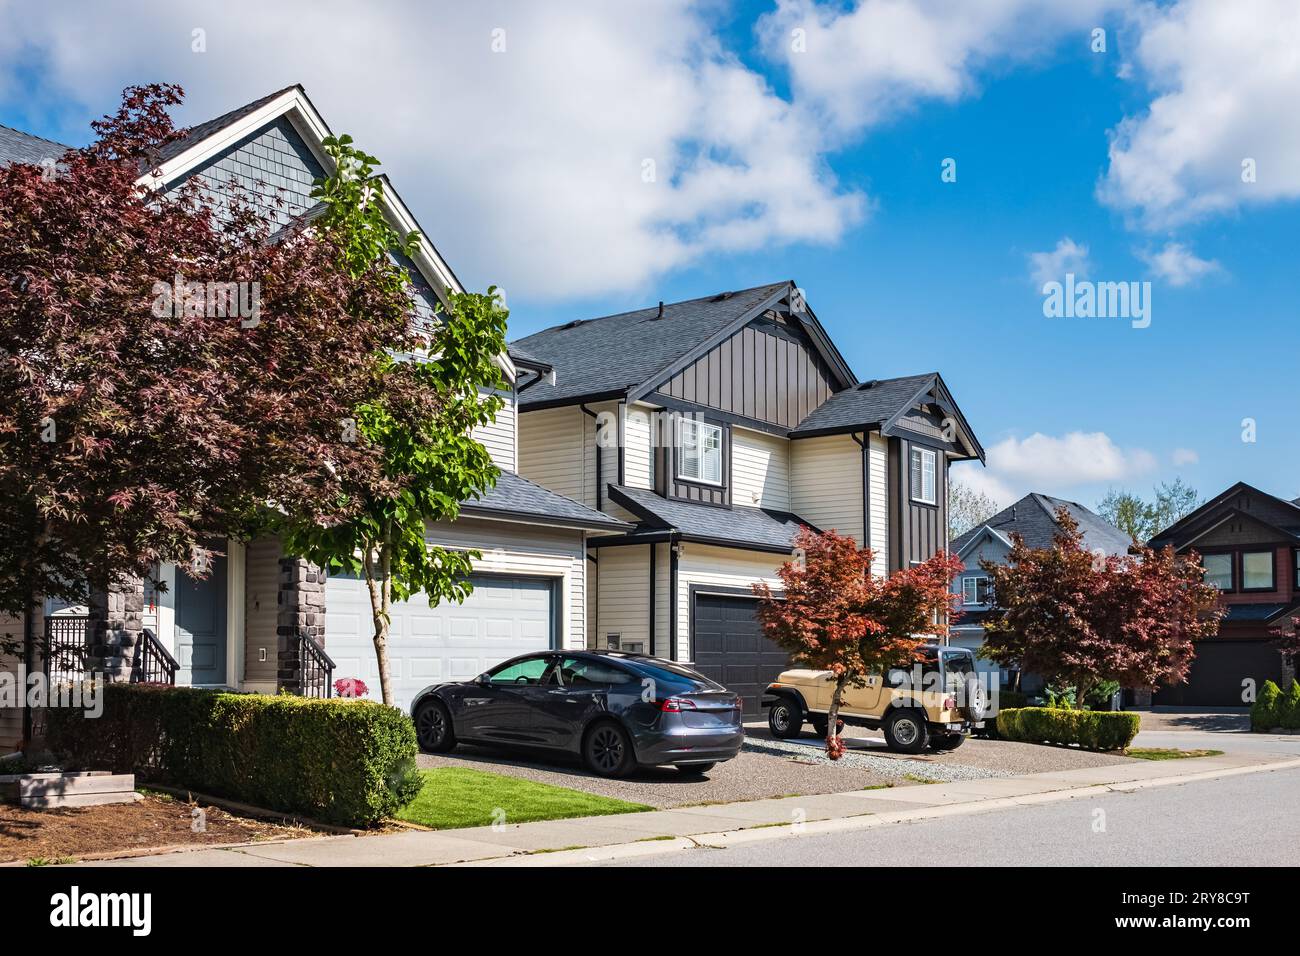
304, 118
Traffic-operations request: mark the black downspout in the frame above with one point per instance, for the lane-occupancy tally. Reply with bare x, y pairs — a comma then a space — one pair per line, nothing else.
672, 584
865, 443
651, 643
596, 419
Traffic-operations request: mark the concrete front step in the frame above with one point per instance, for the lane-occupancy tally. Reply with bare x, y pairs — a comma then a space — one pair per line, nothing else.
82, 789
79, 800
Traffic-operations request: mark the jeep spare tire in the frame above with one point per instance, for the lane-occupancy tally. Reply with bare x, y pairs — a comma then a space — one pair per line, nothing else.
977, 700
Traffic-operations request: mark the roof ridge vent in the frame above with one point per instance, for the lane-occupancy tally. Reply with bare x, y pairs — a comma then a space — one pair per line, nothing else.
574, 324
866, 385
722, 296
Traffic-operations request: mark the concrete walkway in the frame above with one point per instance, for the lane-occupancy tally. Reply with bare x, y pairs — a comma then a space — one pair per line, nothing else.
561, 842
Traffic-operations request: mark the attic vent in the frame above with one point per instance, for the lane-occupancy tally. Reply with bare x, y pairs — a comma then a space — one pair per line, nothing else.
661, 310
574, 324
722, 296
866, 385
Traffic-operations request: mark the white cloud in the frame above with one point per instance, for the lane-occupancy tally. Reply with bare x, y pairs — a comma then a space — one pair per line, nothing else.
1070, 459
1184, 456
1068, 256
525, 166
862, 64
1178, 265
1226, 80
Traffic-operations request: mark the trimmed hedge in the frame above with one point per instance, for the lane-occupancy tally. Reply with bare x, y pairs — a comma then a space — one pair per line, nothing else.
349, 762
1275, 708
1090, 729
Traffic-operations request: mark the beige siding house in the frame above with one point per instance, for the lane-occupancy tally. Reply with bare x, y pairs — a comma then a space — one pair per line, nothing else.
717, 427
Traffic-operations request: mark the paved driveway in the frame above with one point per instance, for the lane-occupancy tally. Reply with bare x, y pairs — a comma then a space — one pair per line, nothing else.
1192, 718
776, 768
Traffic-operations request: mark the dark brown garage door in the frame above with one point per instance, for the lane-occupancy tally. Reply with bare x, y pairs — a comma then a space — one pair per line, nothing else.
1218, 670
730, 648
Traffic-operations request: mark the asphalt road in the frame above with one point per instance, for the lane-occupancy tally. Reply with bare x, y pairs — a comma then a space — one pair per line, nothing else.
1247, 820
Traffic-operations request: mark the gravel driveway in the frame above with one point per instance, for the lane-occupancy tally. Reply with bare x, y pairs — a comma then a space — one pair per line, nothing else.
778, 768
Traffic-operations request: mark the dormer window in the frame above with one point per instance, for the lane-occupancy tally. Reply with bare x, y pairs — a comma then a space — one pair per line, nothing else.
924, 462
699, 451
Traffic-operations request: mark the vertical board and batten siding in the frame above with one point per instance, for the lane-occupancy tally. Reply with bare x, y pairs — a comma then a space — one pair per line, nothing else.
826, 483
767, 371
919, 530
638, 446
760, 468
498, 436
516, 549
722, 568
878, 504
623, 607
553, 451
261, 611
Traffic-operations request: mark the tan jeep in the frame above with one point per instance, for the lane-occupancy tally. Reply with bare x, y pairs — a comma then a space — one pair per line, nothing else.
932, 703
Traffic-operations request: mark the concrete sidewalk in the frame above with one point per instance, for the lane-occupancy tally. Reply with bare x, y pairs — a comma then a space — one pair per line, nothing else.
560, 842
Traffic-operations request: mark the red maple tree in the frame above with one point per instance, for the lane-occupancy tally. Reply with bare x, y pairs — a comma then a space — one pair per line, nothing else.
835, 615
1080, 618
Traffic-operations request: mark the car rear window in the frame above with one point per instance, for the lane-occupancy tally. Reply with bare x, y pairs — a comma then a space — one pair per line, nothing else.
675, 676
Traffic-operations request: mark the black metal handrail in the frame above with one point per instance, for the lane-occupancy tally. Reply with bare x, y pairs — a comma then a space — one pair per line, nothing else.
153, 663
67, 641
316, 668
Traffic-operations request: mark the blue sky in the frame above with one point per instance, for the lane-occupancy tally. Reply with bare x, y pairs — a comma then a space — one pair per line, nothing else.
824, 166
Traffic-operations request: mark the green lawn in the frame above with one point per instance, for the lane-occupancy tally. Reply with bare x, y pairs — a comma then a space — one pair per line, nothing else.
1168, 753
459, 797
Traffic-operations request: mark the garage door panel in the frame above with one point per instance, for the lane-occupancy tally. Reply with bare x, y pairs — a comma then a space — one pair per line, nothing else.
502, 617
1217, 672
730, 648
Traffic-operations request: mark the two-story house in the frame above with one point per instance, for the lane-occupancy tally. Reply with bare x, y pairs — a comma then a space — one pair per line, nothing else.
1034, 518
259, 617
717, 426
1249, 543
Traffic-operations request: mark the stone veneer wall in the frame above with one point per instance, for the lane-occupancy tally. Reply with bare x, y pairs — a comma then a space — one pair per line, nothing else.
300, 612
116, 622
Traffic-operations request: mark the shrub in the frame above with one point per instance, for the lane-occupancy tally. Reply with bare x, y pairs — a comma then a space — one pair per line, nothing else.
1089, 729
1289, 708
1265, 713
349, 762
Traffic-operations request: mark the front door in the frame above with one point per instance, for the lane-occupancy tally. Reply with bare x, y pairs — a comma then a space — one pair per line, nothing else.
201, 626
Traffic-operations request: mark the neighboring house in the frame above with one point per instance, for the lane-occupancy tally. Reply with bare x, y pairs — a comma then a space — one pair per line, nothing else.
1249, 542
1034, 518
251, 623
717, 426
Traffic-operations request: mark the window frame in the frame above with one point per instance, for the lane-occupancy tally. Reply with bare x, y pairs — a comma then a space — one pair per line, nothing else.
918, 494
976, 578
1272, 577
1295, 569
680, 458
1232, 568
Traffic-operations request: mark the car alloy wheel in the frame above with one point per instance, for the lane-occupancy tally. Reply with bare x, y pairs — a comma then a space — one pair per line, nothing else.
432, 727
606, 749
906, 731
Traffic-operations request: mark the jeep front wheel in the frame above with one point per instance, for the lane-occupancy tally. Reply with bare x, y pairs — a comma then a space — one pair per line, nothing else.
906, 731
785, 719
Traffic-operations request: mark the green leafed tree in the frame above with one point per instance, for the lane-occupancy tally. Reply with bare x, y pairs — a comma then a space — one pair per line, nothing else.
967, 508
421, 420
1143, 520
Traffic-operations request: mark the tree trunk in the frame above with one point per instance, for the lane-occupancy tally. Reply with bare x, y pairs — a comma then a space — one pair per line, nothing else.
835, 746
380, 584
1081, 690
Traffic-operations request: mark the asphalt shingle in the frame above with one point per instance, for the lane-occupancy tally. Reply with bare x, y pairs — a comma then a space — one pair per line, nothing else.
598, 356
19, 147
516, 496
756, 527
870, 403
1033, 517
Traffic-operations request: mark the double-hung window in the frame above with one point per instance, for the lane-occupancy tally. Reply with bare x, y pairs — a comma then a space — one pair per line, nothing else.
924, 463
975, 589
699, 451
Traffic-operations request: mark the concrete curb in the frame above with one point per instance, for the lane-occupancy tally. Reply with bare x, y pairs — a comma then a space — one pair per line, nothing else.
730, 838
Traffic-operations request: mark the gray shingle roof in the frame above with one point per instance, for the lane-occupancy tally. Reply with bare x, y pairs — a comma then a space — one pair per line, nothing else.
1255, 613
755, 527
1033, 517
609, 354
205, 129
19, 147
870, 403
516, 497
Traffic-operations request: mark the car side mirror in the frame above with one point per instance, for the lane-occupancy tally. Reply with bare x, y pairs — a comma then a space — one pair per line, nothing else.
482, 680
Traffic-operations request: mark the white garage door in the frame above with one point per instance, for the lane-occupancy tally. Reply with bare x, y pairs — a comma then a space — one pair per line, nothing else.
504, 616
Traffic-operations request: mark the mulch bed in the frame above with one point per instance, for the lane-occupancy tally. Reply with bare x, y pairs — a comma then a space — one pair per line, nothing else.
155, 822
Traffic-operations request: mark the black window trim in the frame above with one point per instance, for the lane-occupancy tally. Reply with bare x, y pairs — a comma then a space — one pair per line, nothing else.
1232, 567
1241, 560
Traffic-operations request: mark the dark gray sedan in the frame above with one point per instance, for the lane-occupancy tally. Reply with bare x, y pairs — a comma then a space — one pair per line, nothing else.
616, 711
